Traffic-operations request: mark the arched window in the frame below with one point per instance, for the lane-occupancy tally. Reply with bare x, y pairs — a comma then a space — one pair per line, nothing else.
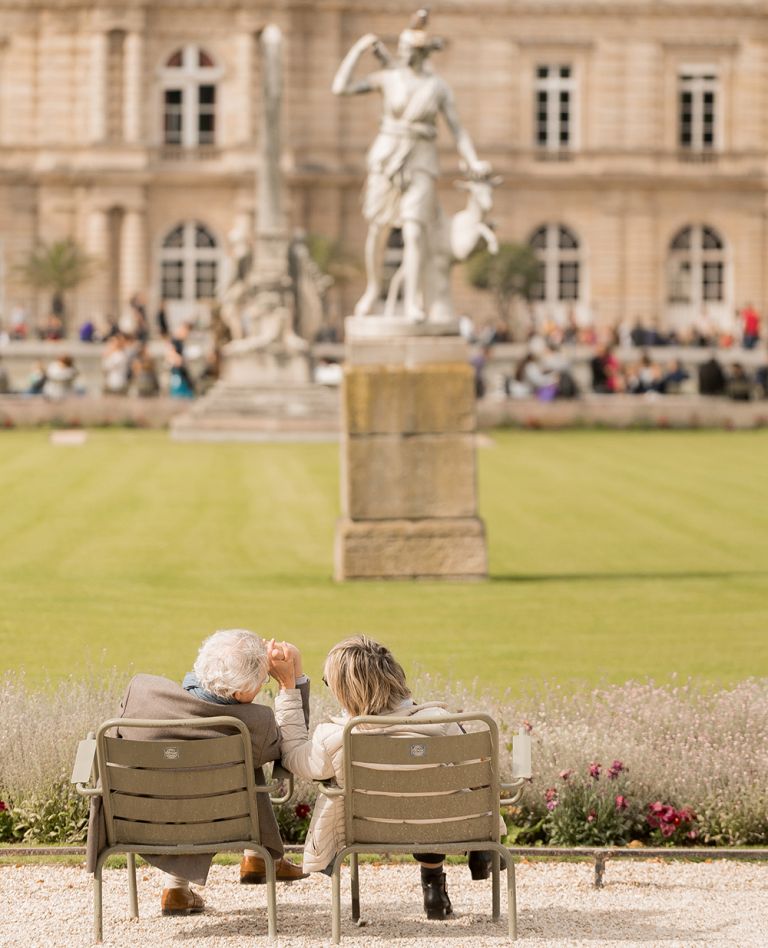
190, 264
697, 276
560, 268
189, 98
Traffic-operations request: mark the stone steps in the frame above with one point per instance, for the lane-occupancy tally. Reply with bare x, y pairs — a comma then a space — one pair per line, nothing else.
237, 412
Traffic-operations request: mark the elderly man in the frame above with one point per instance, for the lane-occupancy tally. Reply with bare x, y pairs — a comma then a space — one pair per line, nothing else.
231, 668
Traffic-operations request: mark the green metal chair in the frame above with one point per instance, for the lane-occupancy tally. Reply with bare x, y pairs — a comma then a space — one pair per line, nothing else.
174, 797
421, 794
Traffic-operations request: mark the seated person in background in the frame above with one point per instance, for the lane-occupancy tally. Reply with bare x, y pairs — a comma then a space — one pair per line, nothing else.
231, 668
60, 378
739, 385
674, 377
711, 377
364, 678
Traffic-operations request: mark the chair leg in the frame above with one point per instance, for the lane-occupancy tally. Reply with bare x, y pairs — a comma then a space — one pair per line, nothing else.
495, 886
133, 901
355, 884
336, 899
269, 866
511, 898
97, 907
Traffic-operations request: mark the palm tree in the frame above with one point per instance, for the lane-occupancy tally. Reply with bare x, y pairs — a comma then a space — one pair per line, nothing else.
59, 267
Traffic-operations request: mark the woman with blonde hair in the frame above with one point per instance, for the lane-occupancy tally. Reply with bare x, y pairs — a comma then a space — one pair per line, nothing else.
365, 678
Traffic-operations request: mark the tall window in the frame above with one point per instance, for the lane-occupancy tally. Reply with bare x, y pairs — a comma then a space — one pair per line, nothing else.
115, 84
697, 267
190, 263
558, 252
698, 103
189, 98
555, 107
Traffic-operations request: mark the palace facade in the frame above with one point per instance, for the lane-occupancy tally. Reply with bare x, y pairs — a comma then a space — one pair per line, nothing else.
632, 137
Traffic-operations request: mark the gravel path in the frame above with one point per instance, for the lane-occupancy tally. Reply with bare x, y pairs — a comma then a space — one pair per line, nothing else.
654, 902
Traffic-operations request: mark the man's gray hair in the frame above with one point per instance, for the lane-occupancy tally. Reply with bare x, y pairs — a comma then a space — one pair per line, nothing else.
231, 660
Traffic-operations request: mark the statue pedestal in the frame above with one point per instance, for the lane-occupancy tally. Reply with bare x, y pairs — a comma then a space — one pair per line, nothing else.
266, 367
409, 486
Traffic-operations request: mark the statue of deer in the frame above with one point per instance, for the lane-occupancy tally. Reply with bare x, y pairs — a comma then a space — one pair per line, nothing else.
452, 241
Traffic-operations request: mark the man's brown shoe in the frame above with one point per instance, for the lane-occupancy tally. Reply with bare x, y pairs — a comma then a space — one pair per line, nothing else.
181, 902
253, 871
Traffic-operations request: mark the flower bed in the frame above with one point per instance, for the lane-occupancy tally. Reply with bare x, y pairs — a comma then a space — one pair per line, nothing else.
632, 764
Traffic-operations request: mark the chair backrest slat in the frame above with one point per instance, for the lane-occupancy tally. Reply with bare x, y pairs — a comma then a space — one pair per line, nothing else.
174, 754
423, 780
168, 782
224, 806
454, 831
394, 750
463, 803
178, 834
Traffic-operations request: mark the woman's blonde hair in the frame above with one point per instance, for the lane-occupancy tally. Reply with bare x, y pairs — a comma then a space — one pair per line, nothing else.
365, 677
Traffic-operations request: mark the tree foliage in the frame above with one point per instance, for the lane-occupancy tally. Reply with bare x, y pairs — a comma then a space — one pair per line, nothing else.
512, 272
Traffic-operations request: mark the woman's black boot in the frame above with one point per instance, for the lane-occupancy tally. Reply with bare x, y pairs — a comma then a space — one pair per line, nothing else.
436, 901
479, 864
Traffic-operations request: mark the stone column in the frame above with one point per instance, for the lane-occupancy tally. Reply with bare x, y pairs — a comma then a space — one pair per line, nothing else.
133, 256
133, 82
408, 467
97, 245
98, 90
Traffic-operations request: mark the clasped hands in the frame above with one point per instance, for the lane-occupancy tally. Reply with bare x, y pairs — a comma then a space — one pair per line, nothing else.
284, 663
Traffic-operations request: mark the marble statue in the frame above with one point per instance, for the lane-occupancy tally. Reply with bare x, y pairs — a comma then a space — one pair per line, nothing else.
401, 186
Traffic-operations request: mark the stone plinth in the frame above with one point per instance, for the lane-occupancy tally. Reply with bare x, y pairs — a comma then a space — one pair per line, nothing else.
408, 481
266, 367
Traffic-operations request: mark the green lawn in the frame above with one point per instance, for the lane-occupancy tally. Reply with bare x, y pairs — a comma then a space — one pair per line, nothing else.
613, 555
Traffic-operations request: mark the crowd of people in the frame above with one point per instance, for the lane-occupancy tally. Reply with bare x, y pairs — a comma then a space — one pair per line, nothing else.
131, 363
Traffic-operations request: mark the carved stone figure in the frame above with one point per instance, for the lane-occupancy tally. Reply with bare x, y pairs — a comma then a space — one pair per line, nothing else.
401, 187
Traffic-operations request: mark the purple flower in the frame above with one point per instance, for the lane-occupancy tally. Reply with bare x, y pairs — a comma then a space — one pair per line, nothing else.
552, 805
615, 769
594, 771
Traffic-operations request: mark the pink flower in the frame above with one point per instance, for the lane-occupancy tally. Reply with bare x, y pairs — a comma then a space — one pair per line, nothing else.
528, 727
667, 829
3, 806
591, 816
594, 771
615, 769
303, 810
621, 802
552, 804
550, 794
565, 774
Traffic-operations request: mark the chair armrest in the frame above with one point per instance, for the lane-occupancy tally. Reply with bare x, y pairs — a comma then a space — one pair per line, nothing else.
329, 791
83, 768
279, 776
517, 785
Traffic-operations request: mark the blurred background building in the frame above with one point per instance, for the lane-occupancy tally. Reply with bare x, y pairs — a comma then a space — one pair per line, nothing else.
632, 137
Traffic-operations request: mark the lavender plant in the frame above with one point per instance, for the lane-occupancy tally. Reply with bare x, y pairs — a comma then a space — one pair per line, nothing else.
677, 748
